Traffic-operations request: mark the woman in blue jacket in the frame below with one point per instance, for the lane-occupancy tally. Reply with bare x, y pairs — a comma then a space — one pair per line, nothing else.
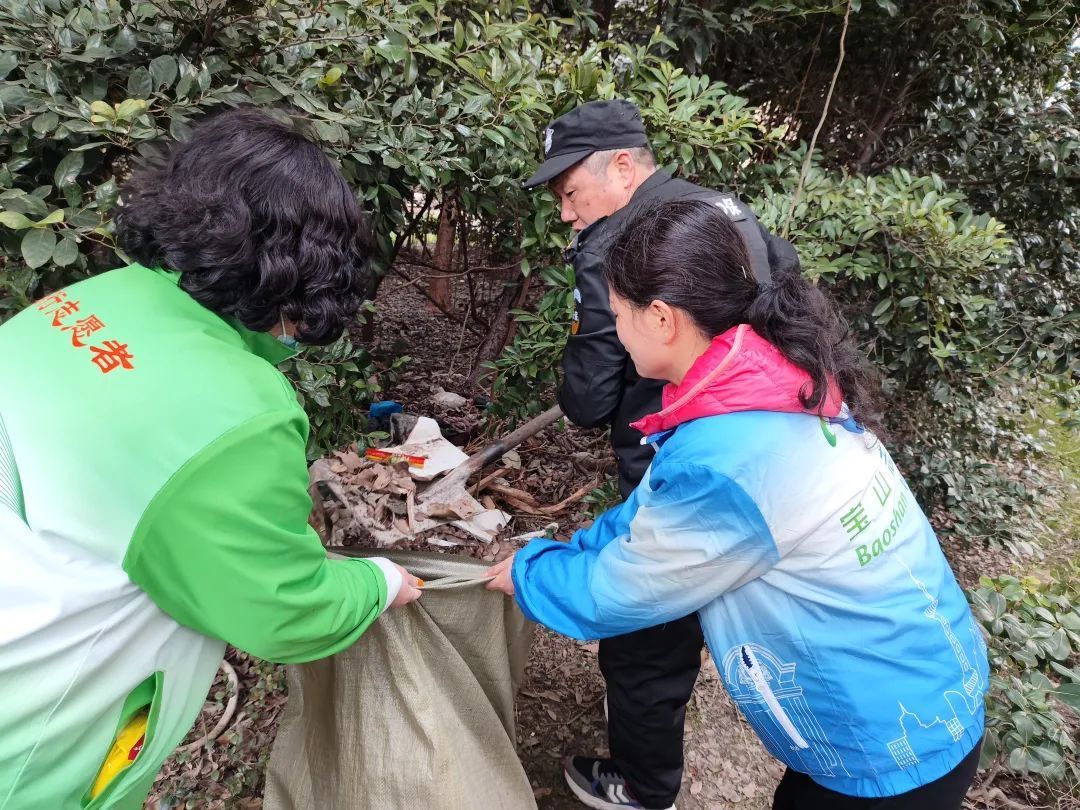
773, 510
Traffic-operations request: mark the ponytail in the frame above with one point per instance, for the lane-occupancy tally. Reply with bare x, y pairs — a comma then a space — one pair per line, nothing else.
691, 256
801, 321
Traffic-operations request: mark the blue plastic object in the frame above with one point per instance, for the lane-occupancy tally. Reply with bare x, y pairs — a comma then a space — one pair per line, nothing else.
382, 410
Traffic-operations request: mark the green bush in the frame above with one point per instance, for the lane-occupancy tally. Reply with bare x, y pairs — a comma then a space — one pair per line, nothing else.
603, 497
527, 367
907, 260
1033, 707
919, 276
335, 384
413, 100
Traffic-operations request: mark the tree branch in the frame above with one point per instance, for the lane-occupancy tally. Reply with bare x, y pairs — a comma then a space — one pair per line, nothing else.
821, 123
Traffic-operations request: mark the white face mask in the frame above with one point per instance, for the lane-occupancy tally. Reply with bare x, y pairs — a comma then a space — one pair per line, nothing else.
287, 340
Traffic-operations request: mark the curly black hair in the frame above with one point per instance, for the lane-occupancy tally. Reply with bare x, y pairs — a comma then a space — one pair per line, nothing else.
690, 255
258, 221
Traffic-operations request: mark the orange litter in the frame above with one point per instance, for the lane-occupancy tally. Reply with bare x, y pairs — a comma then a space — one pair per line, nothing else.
375, 454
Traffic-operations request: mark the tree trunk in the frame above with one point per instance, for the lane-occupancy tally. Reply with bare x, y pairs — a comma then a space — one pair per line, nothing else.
604, 9
512, 297
367, 328
439, 285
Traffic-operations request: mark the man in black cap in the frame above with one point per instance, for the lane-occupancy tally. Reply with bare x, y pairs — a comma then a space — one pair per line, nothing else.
598, 162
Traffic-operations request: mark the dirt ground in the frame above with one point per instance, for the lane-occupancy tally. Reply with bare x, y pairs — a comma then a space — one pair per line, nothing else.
560, 707
560, 711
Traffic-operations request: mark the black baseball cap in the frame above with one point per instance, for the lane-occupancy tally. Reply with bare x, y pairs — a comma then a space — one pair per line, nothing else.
592, 127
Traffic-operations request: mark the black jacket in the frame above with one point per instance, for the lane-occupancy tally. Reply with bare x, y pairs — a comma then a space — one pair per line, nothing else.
600, 385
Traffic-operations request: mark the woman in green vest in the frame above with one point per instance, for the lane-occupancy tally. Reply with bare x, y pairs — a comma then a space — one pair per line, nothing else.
153, 479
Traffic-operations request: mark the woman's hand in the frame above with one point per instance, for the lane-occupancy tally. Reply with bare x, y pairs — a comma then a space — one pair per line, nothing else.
410, 588
501, 572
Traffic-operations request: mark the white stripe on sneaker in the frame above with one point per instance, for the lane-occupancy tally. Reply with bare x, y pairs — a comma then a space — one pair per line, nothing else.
584, 797
587, 797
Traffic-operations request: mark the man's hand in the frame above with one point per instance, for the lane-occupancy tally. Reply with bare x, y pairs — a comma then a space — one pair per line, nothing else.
410, 588
501, 572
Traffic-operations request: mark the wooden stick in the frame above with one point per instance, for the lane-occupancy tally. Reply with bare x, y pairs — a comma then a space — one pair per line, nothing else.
458, 479
516, 498
487, 479
513, 492
226, 716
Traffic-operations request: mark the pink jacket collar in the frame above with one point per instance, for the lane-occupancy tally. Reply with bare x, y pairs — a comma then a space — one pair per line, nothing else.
740, 371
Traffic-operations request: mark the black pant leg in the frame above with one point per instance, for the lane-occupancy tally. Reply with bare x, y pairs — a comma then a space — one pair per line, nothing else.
797, 791
650, 676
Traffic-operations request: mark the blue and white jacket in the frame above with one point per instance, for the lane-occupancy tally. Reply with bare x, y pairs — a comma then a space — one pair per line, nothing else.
830, 611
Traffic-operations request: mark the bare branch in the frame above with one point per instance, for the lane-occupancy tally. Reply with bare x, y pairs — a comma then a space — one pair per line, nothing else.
821, 123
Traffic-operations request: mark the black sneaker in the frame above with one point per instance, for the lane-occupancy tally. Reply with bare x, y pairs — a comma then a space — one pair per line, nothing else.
598, 783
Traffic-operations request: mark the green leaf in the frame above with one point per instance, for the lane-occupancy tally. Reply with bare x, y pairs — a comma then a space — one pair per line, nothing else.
130, 109
1069, 694
66, 252
15, 220
45, 123
52, 84
184, 85
68, 169
140, 83
714, 159
412, 69
102, 110
475, 104
17, 200
1045, 757
179, 129
881, 308
8, 62
997, 603
125, 41
1025, 727
399, 105
989, 750
37, 246
1019, 760
52, 219
97, 49
1070, 620
163, 70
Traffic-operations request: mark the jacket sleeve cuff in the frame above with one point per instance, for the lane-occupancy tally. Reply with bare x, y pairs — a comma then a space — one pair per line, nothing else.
392, 576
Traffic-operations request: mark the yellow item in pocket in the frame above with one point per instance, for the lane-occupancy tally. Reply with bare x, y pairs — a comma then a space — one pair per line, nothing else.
126, 747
